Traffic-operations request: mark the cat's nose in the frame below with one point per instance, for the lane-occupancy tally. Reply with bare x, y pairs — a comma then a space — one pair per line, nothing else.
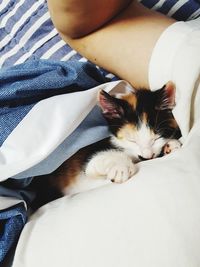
147, 154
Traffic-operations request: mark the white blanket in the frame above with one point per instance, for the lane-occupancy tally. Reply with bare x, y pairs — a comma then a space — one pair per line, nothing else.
153, 219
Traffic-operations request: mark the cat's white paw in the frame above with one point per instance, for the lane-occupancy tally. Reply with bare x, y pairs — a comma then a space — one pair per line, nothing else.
121, 172
113, 165
171, 146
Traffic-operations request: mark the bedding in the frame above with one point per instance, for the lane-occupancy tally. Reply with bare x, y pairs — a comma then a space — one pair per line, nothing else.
151, 220
27, 34
42, 86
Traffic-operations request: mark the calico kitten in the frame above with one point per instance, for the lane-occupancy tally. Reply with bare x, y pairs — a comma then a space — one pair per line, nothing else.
142, 127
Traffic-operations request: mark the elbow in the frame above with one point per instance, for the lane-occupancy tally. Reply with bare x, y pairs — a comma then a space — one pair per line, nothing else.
74, 21
72, 31
68, 29
71, 28
68, 24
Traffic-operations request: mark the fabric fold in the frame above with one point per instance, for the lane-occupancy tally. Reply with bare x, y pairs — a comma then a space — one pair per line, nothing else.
176, 58
30, 91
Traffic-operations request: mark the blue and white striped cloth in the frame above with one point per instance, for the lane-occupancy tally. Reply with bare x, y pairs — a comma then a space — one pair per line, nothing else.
178, 9
27, 33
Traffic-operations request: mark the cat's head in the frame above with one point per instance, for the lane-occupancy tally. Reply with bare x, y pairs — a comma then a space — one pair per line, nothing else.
141, 122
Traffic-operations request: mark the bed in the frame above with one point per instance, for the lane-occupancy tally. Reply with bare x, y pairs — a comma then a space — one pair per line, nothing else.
151, 220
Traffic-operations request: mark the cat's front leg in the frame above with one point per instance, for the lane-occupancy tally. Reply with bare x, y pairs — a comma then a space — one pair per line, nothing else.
171, 146
113, 165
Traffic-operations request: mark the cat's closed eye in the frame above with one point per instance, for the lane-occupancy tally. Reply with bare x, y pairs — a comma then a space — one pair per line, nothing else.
132, 140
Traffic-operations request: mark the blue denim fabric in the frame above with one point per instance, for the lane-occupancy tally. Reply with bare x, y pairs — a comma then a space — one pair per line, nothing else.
24, 85
12, 221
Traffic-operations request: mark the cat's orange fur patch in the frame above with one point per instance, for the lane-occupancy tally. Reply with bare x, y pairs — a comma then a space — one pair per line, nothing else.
126, 130
67, 173
131, 99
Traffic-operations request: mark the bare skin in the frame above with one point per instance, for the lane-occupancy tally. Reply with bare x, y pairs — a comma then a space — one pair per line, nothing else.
118, 35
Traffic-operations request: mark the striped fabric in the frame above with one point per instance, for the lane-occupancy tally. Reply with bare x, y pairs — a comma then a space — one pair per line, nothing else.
26, 30
178, 9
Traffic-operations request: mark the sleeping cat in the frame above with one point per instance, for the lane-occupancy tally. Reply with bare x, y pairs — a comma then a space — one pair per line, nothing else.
142, 127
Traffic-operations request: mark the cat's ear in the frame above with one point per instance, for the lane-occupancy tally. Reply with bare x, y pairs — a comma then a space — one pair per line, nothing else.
109, 105
166, 96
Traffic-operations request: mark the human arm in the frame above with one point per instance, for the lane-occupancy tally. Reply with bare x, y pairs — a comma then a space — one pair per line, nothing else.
124, 45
